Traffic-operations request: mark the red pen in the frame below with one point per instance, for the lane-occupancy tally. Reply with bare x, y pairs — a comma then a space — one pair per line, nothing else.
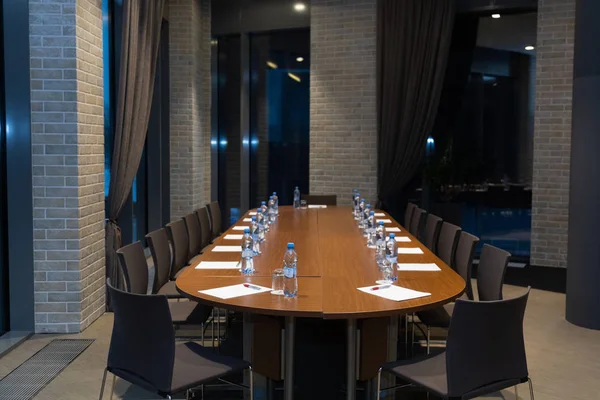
380, 287
249, 286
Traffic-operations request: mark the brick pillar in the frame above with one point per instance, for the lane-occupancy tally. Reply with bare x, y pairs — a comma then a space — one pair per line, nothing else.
552, 134
190, 69
68, 162
343, 126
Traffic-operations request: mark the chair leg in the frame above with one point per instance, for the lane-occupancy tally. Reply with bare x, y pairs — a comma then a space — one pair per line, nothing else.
412, 334
378, 383
112, 389
428, 338
516, 392
530, 388
202, 335
406, 335
251, 383
103, 383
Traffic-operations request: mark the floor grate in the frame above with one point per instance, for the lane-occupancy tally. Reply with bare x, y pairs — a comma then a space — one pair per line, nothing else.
35, 373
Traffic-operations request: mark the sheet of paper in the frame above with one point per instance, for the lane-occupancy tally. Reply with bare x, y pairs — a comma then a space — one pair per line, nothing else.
227, 249
385, 221
380, 214
233, 237
392, 229
229, 292
247, 220
418, 267
404, 239
239, 228
409, 250
395, 293
252, 213
316, 206
218, 265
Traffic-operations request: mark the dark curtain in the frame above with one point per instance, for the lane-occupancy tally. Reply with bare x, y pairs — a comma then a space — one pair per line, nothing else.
413, 39
139, 49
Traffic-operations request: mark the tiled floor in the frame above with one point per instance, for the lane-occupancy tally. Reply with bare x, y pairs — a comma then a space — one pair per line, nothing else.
564, 360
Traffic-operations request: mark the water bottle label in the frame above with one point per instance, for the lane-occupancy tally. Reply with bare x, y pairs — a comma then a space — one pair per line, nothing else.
288, 272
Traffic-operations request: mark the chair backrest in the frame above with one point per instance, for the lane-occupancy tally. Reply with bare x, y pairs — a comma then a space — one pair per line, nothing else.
142, 345
408, 213
158, 241
204, 226
432, 232
447, 243
179, 240
192, 224
416, 222
485, 344
490, 273
320, 199
465, 251
214, 213
134, 266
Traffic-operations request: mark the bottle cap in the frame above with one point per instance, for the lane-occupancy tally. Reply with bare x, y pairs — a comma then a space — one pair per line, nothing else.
247, 230
380, 222
290, 246
274, 193
362, 200
254, 218
368, 206
296, 187
372, 213
392, 235
264, 203
270, 197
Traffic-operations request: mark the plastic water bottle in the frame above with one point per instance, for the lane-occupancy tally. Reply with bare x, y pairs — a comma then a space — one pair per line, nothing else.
271, 210
260, 221
296, 198
290, 278
366, 213
356, 200
247, 263
276, 200
391, 255
265, 212
371, 224
255, 232
361, 212
380, 236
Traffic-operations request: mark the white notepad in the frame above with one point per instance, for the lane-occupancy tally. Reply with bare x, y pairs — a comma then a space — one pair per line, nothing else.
252, 213
385, 221
418, 267
404, 239
409, 250
227, 249
233, 237
239, 228
392, 229
229, 292
247, 220
218, 265
380, 214
392, 292
316, 206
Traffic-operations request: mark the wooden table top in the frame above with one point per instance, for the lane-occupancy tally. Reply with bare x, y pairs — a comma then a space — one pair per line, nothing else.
333, 261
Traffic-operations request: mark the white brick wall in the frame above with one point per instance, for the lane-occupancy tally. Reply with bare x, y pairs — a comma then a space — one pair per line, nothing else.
552, 136
343, 126
68, 180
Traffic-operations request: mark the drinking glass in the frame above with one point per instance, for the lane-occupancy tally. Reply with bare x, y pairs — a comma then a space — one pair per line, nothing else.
387, 273
303, 205
277, 283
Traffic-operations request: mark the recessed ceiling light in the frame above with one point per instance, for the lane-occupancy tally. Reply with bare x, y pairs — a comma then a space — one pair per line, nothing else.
294, 77
529, 48
299, 59
495, 16
271, 64
299, 7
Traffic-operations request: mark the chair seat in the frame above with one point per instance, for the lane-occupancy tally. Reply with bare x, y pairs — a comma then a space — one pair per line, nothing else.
189, 312
195, 364
169, 289
428, 372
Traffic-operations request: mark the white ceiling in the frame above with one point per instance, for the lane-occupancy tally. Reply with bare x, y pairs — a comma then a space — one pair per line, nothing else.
510, 32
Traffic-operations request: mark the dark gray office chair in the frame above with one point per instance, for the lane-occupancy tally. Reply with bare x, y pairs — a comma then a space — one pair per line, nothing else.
135, 269
485, 353
158, 242
490, 273
204, 227
216, 223
192, 224
320, 199
408, 213
180, 244
432, 232
447, 242
143, 349
416, 222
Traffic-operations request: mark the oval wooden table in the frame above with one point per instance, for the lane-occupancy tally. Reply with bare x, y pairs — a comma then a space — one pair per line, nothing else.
333, 261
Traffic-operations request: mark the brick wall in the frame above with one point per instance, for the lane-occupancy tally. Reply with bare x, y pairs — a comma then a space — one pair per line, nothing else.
552, 135
189, 57
68, 158
343, 128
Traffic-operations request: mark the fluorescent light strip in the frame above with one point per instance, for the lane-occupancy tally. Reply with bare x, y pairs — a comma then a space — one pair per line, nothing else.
294, 77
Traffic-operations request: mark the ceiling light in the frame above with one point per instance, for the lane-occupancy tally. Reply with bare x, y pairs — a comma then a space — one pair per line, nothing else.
271, 64
294, 77
299, 7
300, 59
495, 16
529, 48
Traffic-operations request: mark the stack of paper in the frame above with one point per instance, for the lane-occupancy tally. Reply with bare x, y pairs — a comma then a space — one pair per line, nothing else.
229, 292
252, 213
316, 206
380, 214
227, 249
392, 229
395, 293
233, 237
404, 239
218, 265
418, 267
239, 228
385, 221
409, 250
247, 220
